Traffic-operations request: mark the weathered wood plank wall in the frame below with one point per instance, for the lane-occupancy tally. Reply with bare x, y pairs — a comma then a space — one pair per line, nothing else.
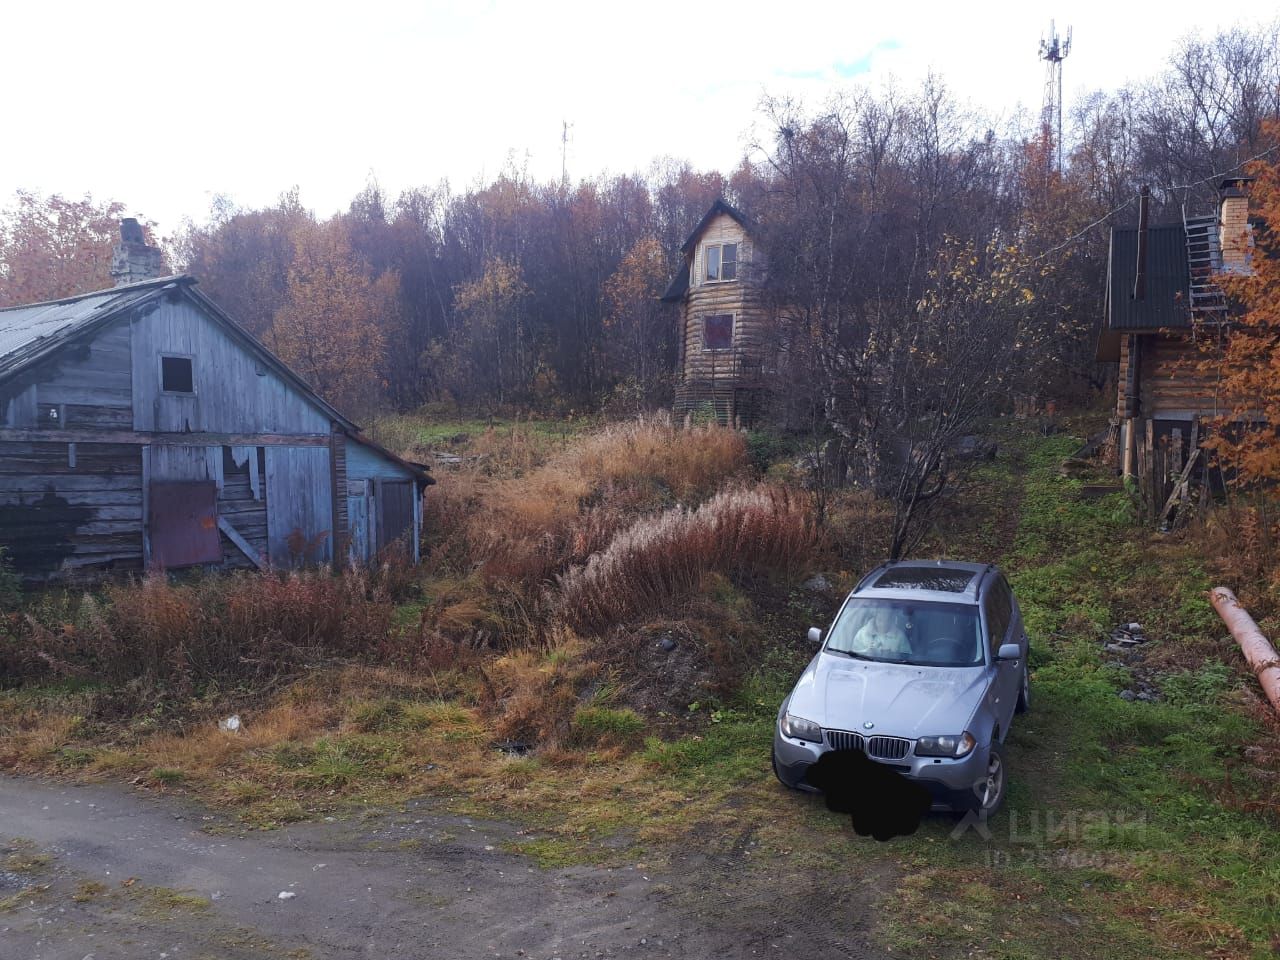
234, 391
57, 518
299, 507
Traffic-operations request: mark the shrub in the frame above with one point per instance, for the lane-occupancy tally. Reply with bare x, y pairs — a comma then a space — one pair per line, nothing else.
739, 533
10, 583
218, 629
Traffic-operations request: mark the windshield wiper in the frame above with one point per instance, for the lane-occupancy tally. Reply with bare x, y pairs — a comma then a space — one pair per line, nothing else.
851, 655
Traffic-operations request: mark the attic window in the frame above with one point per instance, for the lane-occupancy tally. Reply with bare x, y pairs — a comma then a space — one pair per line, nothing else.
722, 261
717, 332
177, 375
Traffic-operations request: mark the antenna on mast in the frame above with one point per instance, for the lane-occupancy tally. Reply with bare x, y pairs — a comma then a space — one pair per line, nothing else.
564, 151
1053, 50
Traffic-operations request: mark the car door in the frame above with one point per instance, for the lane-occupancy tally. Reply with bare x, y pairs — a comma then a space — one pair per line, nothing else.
998, 609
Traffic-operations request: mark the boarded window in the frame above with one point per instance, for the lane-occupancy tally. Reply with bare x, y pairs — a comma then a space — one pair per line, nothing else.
717, 332
183, 523
177, 375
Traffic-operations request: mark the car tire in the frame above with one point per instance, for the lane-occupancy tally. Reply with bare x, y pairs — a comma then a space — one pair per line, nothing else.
1024, 692
988, 794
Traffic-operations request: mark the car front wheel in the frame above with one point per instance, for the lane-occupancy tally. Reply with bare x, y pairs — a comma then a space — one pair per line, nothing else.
1024, 692
988, 793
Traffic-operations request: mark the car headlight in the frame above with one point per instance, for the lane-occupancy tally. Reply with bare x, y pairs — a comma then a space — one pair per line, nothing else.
945, 746
801, 729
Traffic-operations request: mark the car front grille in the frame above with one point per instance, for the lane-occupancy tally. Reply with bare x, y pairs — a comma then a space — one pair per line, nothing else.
844, 740
888, 748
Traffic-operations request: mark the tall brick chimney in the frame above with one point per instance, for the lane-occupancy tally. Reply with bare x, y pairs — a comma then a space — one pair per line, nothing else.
1234, 235
133, 259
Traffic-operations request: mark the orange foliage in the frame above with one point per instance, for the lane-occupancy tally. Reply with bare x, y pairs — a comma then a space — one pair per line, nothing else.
330, 328
51, 247
1247, 362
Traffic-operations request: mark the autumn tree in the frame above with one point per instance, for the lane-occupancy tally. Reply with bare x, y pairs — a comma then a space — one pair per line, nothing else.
496, 350
1245, 358
242, 258
330, 326
52, 247
635, 334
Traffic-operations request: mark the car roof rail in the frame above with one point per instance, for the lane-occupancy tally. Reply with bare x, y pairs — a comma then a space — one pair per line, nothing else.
982, 578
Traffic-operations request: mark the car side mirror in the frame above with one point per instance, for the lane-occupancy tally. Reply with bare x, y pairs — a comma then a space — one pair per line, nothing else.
815, 635
1009, 651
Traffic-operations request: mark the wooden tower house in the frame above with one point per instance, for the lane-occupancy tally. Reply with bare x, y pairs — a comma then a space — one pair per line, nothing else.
722, 367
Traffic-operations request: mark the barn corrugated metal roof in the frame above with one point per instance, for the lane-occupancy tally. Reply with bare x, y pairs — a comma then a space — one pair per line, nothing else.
29, 331
1167, 304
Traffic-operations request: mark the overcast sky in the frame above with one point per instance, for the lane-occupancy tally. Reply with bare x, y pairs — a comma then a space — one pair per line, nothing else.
162, 105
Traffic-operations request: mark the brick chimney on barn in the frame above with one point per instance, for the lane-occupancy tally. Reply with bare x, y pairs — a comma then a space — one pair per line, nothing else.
1234, 235
133, 259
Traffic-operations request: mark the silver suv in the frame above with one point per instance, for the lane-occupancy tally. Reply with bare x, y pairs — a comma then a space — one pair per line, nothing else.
922, 669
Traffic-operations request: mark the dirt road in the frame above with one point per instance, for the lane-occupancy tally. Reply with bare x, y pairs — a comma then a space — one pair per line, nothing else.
100, 872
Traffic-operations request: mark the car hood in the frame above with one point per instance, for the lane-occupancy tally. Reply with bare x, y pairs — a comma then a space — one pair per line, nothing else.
897, 699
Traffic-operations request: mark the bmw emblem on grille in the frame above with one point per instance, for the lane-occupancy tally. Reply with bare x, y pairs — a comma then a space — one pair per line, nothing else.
868, 725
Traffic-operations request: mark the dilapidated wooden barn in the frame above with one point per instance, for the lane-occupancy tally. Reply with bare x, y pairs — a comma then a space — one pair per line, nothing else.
141, 428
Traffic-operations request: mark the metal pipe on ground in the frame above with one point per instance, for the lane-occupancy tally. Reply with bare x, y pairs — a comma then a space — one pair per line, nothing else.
1257, 649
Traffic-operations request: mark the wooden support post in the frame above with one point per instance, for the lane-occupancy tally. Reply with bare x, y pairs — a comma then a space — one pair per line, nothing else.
1179, 487
241, 543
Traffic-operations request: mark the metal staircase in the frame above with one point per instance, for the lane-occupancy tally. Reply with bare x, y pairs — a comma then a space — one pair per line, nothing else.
1204, 259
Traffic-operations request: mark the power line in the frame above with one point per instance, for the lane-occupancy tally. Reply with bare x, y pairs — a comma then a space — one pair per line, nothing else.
1167, 190
1223, 173
1076, 236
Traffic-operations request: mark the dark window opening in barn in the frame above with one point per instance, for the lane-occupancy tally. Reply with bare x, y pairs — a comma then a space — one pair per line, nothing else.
717, 332
177, 375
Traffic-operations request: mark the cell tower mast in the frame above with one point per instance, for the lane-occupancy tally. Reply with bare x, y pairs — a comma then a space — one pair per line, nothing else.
1053, 50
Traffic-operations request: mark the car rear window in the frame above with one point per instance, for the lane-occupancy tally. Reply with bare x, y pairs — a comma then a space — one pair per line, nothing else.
924, 578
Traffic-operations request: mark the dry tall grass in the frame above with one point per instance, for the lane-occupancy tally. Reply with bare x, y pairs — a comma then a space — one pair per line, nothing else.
241, 627
741, 532
526, 529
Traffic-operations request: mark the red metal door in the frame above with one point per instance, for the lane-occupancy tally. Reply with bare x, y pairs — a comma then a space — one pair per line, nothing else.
183, 519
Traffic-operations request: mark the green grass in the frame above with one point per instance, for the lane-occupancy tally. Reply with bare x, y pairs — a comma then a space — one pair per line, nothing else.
1126, 831
445, 429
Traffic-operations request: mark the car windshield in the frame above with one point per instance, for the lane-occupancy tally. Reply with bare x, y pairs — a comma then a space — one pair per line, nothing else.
908, 631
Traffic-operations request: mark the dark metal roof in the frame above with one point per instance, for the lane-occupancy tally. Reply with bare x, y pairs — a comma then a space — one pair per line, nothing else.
1167, 304
717, 208
679, 285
